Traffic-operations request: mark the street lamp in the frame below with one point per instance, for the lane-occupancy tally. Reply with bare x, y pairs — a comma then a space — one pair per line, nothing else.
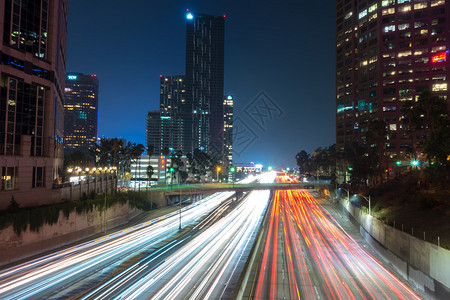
368, 200
348, 193
218, 170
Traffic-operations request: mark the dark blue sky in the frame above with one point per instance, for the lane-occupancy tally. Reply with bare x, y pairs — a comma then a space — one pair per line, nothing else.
284, 48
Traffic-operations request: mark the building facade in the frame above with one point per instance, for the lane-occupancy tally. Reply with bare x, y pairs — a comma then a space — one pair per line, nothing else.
172, 96
32, 74
388, 52
228, 130
80, 112
153, 131
204, 83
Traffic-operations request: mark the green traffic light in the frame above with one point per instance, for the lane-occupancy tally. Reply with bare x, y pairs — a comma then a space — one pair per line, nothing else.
350, 169
415, 163
171, 170
232, 169
398, 163
269, 168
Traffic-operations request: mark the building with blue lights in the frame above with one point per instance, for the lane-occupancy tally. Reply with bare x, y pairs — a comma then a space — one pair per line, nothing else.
203, 125
228, 130
80, 112
32, 73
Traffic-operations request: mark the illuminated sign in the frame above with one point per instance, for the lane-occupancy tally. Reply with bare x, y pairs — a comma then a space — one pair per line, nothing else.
72, 77
189, 16
439, 57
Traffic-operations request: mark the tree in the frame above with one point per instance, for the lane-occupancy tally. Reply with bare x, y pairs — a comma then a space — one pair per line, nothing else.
137, 150
149, 173
302, 159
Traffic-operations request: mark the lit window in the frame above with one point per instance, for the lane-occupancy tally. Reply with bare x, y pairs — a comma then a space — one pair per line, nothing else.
388, 11
439, 48
402, 1
362, 14
404, 53
389, 28
392, 127
439, 87
405, 8
372, 8
403, 26
420, 5
387, 2
437, 2
348, 15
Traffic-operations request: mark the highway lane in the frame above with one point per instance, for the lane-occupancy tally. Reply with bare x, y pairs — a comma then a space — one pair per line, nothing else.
308, 255
208, 266
44, 276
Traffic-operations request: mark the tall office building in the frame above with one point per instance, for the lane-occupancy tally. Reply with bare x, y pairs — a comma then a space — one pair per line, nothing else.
80, 112
204, 83
172, 97
388, 52
153, 131
228, 130
32, 71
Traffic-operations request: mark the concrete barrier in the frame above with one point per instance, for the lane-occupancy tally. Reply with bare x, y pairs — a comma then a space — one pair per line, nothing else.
65, 231
418, 261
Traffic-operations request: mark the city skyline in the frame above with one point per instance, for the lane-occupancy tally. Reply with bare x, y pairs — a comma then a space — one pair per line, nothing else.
288, 81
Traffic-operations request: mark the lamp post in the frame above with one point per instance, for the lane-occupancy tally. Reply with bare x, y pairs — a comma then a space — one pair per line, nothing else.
218, 170
348, 193
368, 200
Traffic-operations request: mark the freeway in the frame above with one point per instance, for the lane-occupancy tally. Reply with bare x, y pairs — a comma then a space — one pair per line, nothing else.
153, 259
306, 254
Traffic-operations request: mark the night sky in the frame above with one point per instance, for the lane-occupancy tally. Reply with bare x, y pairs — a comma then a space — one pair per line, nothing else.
285, 51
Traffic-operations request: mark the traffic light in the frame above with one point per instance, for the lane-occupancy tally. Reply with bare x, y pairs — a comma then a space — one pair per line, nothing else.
350, 168
398, 163
232, 169
415, 163
269, 168
171, 169
163, 163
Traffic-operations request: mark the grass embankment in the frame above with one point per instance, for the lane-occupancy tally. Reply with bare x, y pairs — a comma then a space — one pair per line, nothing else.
416, 205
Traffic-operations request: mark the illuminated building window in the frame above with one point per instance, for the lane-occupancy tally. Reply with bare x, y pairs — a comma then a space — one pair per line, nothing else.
420, 5
437, 49
404, 53
388, 11
405, 8
385, 3
389, 28
392, 127
362, 14
439, 87
402, 1
403, 26
437, 2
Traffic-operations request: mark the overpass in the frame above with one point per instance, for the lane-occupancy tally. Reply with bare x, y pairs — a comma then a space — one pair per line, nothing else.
190, 189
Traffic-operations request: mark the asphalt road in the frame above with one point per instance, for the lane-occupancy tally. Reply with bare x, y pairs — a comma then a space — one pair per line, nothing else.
307, 255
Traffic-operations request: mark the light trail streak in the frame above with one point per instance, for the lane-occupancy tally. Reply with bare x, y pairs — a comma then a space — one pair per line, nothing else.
322, 260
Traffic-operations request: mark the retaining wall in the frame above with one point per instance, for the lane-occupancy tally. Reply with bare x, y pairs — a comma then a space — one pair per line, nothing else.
66, 231
421, 262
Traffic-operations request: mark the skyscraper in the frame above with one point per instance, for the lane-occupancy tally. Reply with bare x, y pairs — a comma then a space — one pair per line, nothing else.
228, 129
153, 131
32, 74
388, 52
204, 83
172, 97
80, 112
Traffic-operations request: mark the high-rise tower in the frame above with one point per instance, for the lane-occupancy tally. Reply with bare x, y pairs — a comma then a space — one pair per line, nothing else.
204, 83
388, 52
80, 112
32, 74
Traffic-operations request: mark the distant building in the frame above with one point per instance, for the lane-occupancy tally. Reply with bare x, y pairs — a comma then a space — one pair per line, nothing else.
32, 74
205, 37
80, 112
153, 131
388, 52
172, 96
228, 130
